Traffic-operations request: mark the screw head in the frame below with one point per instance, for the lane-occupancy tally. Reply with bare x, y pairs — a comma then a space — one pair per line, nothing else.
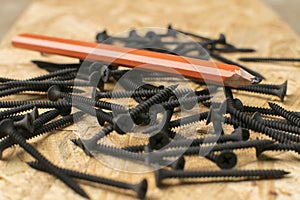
54, 93
6, 126
102, 36
123, 123
226, 160
26, 123
178, 164
141, 189
191, 104
159, 140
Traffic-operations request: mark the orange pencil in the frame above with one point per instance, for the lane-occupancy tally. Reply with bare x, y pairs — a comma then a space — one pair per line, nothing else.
210, 72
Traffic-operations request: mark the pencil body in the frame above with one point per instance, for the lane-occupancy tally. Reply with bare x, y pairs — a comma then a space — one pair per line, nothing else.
207, 71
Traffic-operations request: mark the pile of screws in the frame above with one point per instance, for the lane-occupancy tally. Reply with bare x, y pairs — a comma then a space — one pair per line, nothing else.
155, 108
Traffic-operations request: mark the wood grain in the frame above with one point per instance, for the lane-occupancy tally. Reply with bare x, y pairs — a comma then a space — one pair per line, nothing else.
245, 23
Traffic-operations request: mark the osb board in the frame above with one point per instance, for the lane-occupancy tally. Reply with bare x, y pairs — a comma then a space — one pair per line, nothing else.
246, 23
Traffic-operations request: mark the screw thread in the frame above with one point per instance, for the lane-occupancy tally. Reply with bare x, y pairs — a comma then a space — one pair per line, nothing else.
263, 90
113, 151
38, 104
282, 126
282, 147
188, 120
290, 116
45, 117
224, 173
46, 84
13, 111
264, 111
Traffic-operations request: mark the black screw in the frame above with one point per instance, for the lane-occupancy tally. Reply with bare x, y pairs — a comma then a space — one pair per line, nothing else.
194, 150
290, 116
162, 174
53, 67
38, 104
42, 77
281, 92
8, 128
258, 59
278, 147
277, 124
139, 188
60, 123
55, 93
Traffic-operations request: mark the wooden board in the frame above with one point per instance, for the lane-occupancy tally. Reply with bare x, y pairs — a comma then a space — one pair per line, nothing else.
245, 23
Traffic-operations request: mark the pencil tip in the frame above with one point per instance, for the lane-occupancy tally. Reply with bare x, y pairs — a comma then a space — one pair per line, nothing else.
256, 80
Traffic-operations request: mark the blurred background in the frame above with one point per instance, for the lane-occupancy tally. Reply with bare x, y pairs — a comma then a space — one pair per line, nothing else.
10, 10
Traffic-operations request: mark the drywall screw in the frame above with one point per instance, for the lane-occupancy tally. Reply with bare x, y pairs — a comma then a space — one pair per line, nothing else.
264, 111
60, 123
7, 128
264, 90
140, 188
187, 102
277, 135
38, 104
290, 116
55, 93
46, 84
277, 124
278, 147
259, 59
188, 120
17, 90
162, 174
224, 160
142, 93
120, 153
194, 150
42, 77
52, 67
282, 86
225, 60
231, 50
